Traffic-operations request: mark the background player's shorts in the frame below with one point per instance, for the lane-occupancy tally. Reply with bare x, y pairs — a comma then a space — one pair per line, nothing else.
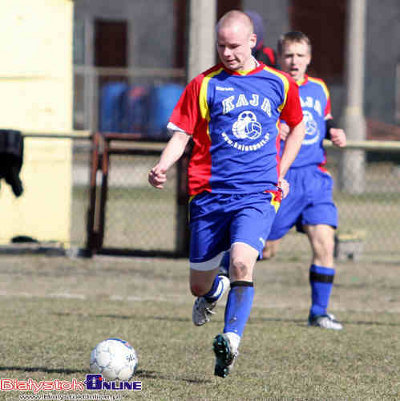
219, 220
309, 202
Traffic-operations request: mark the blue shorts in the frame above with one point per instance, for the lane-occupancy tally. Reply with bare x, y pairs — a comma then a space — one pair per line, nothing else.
309, 202
219, 220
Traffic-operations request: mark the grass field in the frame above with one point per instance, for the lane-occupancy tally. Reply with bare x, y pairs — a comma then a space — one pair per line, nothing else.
54, 310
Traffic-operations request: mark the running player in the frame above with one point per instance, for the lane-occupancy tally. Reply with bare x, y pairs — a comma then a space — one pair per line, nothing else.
310, 206
231, 112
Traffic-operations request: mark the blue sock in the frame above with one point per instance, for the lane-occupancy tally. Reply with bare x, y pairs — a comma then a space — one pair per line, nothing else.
216, 290
238, 306
321, 281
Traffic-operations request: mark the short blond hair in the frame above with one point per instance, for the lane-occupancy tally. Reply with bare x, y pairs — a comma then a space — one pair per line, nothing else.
293, 37
234, 16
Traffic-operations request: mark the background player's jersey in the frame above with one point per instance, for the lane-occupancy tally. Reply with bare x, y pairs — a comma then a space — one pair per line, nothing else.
232, 118
316, 105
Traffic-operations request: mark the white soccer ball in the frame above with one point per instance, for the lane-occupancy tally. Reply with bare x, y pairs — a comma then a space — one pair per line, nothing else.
115, 359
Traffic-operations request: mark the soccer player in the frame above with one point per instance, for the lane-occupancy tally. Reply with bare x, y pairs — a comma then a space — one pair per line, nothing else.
309, 205
231, 112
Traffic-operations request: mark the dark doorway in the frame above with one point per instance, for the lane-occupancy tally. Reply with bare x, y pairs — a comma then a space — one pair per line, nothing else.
111, 43
227, 5
324, 23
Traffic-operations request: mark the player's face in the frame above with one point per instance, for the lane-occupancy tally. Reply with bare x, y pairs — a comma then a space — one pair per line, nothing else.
295, 59
234, 44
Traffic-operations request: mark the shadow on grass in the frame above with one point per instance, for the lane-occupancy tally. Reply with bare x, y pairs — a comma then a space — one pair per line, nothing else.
126, 317
303, 322
150, 374
255, 320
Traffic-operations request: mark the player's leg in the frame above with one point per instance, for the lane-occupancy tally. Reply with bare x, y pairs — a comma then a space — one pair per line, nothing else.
322, 241
249, 228
209, 239
238, 307
208, 287
319, 221
270, 249
322, 273
225, 263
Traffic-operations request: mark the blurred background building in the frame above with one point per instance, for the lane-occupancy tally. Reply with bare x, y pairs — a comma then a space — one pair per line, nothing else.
145, 41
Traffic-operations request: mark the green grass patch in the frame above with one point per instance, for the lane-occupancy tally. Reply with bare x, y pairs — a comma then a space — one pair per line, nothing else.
46, 335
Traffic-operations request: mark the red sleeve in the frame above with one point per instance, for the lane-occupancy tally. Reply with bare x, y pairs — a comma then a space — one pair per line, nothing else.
292, 112
186, 113
328, 104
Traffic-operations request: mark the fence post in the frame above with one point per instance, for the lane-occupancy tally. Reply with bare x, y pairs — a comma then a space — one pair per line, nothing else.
352, 166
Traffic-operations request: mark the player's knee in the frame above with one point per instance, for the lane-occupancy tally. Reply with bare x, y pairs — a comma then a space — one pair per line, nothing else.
240, 268
323, 254
198, 289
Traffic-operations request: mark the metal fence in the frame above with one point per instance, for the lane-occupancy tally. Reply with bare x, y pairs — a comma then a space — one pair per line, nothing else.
125, 214
138, 219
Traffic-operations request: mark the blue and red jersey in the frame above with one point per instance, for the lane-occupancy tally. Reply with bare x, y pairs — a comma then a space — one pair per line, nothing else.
316, 105
233, 119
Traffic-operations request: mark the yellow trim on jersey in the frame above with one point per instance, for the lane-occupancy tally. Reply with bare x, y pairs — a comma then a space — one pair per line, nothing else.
322, 83
285, 84
204, 110
301, 82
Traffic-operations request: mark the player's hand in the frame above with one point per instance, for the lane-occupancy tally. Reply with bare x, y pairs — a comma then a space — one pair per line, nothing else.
338, 137
283, 131
284, 186
157, 177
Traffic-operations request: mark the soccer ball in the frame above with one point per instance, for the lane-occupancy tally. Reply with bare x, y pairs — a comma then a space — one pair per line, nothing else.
115, 359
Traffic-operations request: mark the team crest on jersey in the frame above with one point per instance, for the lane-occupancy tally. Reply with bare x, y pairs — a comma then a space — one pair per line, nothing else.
312, 132
246, 127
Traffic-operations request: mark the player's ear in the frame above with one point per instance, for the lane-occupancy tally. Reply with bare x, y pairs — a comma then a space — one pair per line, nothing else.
308, 58
253, 40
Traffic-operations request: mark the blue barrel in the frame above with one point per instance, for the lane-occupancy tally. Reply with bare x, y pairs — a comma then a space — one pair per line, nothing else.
162, 100
111, 107
135, 109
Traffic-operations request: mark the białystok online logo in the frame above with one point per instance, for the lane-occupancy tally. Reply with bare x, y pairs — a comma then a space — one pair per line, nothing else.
92, 382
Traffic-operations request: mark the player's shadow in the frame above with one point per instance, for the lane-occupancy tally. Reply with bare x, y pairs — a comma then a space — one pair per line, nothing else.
151, 374
303, 322
127, 317
43, 369
274, 319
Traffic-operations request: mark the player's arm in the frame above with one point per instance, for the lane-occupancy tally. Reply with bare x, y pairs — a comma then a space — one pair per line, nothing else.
170, 155
336, 135
292, 146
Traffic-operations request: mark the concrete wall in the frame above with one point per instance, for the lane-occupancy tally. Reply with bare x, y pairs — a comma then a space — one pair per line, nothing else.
36, 96
151, 27
36, 64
